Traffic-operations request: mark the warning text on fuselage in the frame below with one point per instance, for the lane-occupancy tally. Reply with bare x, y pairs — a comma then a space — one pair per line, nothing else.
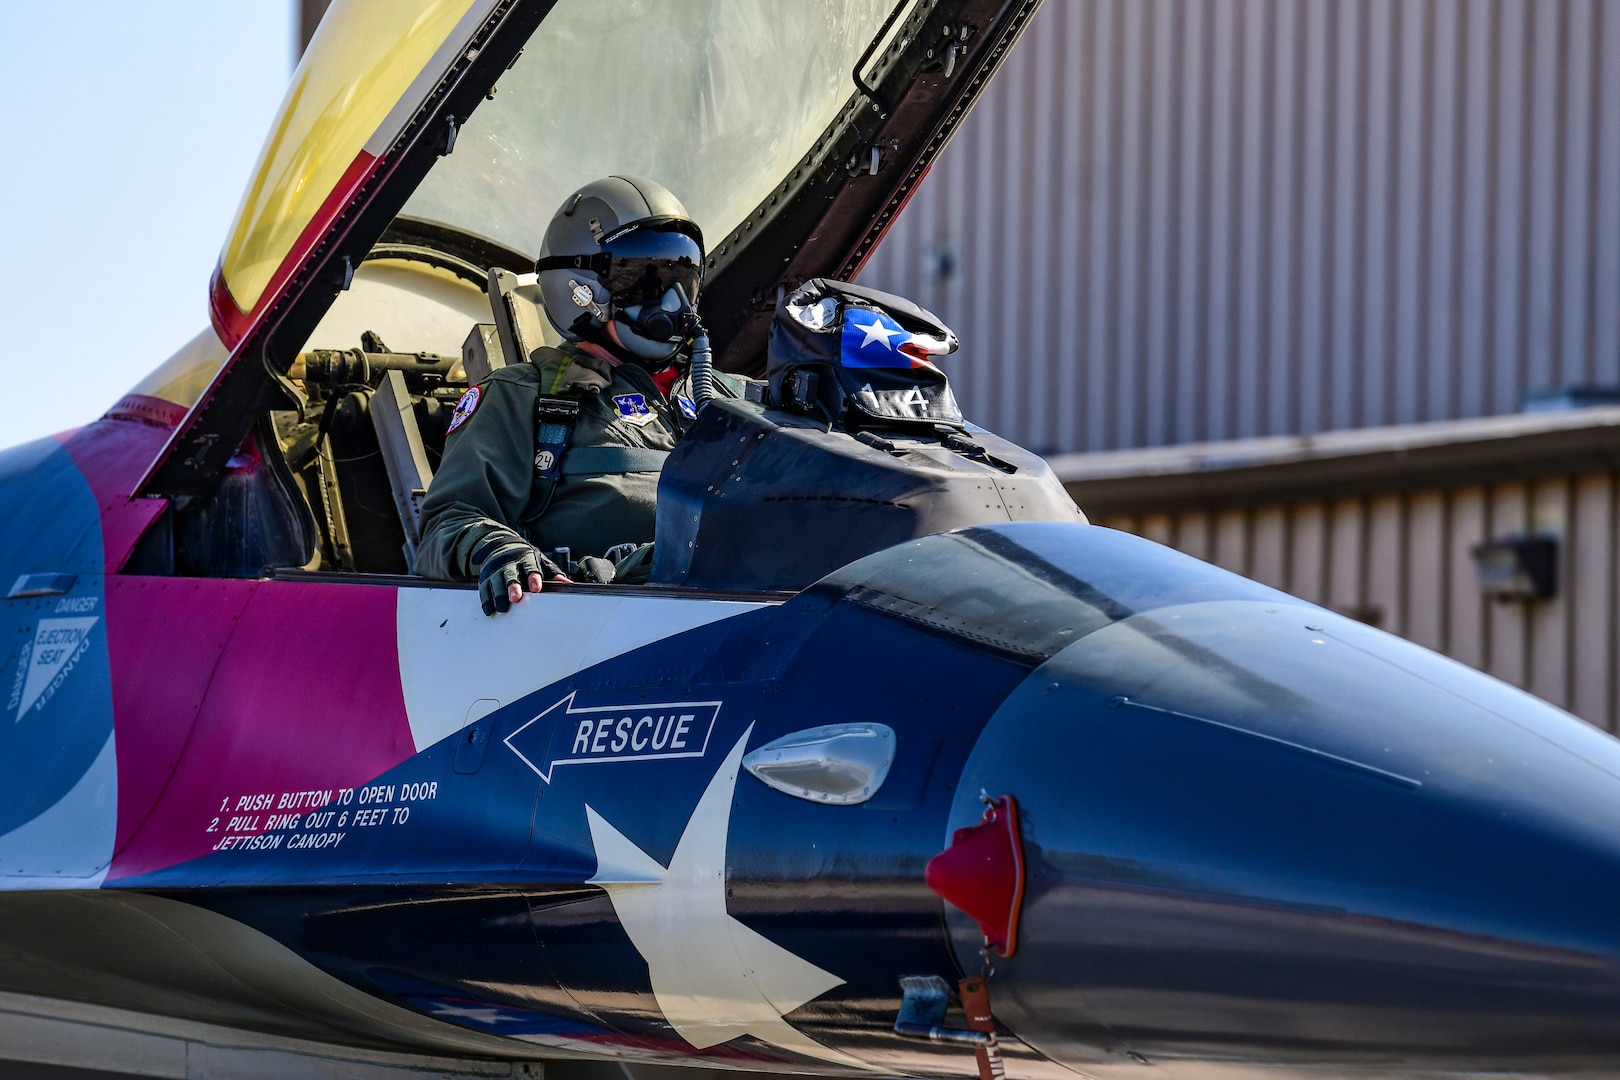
570, 734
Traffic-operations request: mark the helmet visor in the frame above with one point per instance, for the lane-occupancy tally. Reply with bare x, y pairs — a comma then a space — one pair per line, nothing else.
646, 263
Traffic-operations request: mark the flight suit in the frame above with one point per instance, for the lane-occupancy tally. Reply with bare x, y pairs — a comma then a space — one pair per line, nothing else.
492, 477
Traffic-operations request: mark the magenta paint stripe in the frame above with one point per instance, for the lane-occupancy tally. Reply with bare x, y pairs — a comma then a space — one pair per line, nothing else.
112, 454
165, 639
305, 697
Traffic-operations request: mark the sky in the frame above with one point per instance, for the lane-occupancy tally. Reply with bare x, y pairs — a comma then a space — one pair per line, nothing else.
131, 131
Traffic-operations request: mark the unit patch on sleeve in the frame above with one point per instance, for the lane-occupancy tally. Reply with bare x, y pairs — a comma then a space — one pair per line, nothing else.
464, 408
633, 409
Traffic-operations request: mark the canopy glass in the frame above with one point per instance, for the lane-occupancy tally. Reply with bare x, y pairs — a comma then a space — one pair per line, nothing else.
715, 99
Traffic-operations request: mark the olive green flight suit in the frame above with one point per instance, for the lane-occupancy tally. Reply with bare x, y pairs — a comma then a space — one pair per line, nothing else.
488, 480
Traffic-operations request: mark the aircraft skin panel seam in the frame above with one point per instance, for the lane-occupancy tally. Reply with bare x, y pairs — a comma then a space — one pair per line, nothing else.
136, 828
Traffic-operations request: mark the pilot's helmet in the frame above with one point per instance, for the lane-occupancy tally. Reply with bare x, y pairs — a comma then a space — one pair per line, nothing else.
623, 251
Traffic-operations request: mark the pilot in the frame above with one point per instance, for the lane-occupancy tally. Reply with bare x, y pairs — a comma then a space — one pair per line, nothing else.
557, 459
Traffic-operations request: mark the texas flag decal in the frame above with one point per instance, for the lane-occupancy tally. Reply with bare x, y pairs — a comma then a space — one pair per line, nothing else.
873, 340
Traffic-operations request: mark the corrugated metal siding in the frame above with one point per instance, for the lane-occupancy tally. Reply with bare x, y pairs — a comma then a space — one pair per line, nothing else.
1186, 220
1402, 562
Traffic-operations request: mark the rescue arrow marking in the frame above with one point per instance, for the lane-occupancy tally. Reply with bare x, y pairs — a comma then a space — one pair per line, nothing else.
714, 978
641, 732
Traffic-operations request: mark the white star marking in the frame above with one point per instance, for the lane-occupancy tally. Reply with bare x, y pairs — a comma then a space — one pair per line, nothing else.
714, 978
876, 331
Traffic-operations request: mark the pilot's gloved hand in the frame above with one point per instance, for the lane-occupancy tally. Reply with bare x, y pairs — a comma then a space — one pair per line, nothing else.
507, 565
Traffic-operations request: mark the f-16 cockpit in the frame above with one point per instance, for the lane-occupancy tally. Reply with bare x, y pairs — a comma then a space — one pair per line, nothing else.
383, 262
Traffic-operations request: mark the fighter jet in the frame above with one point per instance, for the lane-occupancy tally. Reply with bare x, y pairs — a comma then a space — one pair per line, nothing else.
897, 766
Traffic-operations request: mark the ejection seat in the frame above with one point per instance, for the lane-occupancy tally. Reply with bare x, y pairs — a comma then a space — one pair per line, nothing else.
399, 434
518, 330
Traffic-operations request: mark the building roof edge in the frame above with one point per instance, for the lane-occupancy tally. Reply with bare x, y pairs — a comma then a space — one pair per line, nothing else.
1363, 461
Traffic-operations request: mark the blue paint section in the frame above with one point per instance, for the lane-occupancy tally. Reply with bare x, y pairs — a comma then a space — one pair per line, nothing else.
51, 521
56, 708
1345, 845
70, 845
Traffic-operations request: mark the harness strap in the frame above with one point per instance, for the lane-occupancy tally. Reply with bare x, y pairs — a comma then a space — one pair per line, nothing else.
553, 430
613, 459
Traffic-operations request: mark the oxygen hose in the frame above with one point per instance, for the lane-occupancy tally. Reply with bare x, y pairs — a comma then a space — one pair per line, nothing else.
702, 367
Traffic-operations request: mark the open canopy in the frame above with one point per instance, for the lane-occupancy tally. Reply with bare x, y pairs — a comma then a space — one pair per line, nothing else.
792, 132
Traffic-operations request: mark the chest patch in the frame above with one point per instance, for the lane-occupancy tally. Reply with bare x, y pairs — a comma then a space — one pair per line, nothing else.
633, 408
464, 408
687, 407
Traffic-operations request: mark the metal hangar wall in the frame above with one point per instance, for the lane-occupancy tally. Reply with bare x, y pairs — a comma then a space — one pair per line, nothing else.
1172, 221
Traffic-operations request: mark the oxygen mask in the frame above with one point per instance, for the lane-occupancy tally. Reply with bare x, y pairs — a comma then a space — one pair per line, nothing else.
653, 331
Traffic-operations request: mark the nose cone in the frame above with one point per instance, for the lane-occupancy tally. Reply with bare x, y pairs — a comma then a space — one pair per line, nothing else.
1259, 832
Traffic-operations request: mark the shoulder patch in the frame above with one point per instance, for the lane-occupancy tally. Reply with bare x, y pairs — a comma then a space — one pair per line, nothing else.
464, 408
633, 408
